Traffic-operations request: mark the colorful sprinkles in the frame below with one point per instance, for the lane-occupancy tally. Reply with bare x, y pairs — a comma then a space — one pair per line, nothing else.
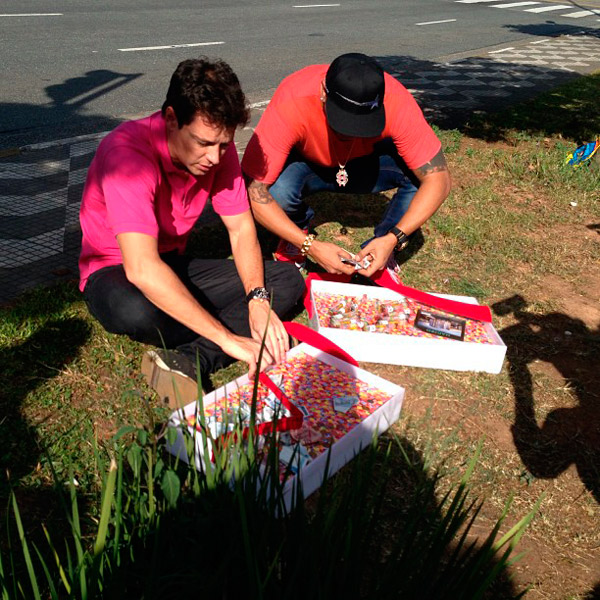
396, 317
312, 385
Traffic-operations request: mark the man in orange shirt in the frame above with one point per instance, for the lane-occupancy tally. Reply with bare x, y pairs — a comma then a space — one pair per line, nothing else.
351, 128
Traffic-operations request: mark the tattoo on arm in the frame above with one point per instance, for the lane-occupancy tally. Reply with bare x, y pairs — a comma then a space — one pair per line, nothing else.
259, 193
435, 165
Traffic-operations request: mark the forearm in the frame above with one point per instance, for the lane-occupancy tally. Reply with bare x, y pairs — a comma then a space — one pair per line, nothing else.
434, 187
271, 216
431, 194
247, 256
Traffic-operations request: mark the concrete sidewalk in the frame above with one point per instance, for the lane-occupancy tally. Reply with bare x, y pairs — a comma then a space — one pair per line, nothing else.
41, 186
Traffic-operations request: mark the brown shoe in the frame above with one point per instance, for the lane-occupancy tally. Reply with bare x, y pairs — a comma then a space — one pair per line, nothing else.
172, 376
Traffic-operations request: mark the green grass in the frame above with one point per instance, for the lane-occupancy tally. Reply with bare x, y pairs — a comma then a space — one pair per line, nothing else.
507, 235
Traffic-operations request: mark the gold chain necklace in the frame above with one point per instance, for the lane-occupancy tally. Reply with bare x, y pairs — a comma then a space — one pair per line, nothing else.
341, 176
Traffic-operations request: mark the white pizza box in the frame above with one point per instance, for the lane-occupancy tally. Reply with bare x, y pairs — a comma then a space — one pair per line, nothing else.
340, 452
397, 349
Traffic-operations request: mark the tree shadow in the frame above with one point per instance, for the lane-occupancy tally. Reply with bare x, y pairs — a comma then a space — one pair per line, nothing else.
307, 554
41, 188
30, 122
475, 94
28, 365
554, 29
568, 435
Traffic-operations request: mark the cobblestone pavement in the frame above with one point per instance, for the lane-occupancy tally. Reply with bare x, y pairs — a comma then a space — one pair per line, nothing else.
41, 186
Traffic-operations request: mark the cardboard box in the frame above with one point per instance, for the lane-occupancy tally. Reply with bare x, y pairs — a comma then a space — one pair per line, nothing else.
481, 350
312, 379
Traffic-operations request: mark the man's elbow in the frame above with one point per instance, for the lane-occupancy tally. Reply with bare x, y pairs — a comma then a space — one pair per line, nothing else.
446, 185
138, 273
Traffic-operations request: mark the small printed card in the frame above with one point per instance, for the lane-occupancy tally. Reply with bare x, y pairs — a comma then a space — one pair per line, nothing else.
305, 435
344, 403
294, 457
438, 324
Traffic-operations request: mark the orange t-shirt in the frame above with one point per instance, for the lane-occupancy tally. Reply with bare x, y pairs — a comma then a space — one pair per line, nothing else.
295, 119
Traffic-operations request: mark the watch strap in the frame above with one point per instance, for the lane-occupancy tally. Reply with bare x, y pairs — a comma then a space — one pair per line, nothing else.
401, 238
259, 293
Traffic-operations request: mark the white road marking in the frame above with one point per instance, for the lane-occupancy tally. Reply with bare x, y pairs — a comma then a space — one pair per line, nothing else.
33, 15
582, 13
260, 104
170, 46
503, 50
313, 5
548, 8
540, 41
474, 1
513, 4
435, 22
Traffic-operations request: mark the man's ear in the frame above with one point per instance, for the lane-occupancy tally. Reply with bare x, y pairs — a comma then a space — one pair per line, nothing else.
171, 119
323, 92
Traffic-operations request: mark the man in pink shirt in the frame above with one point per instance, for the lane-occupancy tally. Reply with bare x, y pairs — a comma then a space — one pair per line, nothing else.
347, 127
146, 187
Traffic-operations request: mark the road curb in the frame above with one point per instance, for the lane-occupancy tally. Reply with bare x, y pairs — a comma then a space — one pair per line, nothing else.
63, 142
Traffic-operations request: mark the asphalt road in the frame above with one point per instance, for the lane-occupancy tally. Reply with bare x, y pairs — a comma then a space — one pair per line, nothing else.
78, 66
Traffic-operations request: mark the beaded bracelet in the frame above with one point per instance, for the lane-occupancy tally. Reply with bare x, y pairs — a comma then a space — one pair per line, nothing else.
306, 244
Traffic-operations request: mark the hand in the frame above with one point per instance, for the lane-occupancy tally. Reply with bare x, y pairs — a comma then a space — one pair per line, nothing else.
379, 250
328, 255
277, 341
247, 349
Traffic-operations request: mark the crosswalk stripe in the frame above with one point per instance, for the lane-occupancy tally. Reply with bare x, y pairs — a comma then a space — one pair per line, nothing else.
474, 1
548, 8
513, 4
582, 13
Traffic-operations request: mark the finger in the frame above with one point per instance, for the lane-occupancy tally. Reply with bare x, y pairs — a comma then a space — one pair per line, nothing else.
283, 343
251, 370
285, 339
343, 269
274, 346
267, 359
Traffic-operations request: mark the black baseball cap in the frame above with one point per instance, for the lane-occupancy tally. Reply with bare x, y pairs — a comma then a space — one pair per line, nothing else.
355, 88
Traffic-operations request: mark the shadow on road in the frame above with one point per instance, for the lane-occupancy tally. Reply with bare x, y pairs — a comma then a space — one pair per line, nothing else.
67, 99
554, 29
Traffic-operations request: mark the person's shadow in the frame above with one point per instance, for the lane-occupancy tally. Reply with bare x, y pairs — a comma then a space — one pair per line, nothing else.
319, 551
567, 435
26, 366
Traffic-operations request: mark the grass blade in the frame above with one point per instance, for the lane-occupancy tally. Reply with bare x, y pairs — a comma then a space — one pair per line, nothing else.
25, 548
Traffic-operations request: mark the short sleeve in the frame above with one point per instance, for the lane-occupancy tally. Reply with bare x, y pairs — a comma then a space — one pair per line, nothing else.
414, 138
129, 181
271, 144
228, 191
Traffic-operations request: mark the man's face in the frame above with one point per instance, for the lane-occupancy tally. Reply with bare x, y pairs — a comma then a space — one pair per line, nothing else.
196, 147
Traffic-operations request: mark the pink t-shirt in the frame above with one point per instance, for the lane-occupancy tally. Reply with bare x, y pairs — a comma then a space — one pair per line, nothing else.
133, 186
295, 119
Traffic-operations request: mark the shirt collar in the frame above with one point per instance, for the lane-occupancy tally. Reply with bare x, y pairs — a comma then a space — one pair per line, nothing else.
158, 127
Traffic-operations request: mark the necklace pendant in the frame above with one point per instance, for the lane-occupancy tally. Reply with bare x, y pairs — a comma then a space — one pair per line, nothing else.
341, 177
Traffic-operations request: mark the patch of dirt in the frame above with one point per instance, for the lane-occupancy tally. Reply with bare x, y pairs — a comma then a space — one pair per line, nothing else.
581, 303
540, 423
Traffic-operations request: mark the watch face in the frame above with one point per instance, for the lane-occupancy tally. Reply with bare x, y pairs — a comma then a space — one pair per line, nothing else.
401, 245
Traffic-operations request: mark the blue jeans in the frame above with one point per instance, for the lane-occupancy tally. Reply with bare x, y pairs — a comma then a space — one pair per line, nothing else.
375, 173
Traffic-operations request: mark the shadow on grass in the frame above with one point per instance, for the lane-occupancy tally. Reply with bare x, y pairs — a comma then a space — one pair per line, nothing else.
594, 594
567, 435
28, 364
223, 544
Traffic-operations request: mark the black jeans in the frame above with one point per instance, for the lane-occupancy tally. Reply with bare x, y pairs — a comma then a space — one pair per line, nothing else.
121, 308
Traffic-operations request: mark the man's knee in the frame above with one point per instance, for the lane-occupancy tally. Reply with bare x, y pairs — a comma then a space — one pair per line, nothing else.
135, 316
286, 282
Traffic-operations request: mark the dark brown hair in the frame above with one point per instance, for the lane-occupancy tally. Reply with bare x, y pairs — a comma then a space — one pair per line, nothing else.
210, 88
